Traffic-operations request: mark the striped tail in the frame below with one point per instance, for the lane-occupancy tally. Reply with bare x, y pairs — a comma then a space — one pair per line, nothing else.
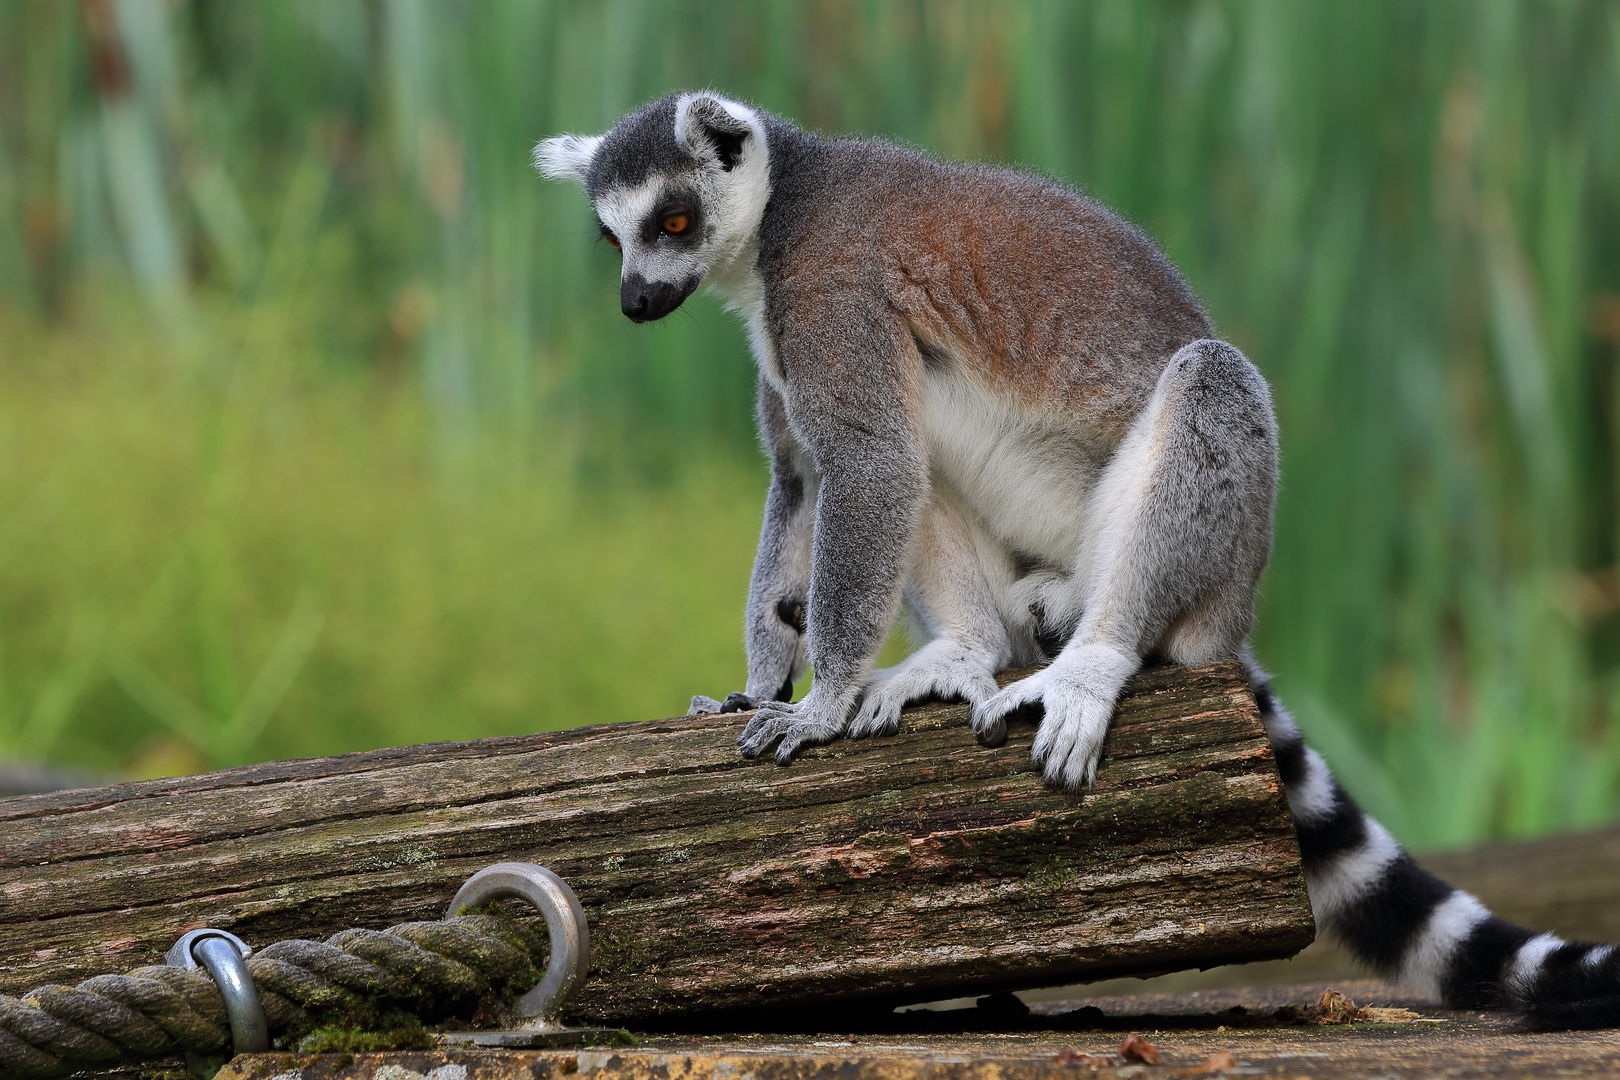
1408, 925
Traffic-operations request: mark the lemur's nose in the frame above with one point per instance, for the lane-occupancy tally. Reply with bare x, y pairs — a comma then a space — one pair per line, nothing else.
633, 301
643, 300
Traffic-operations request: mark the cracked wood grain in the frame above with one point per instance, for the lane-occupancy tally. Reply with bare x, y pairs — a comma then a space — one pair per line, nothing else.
908, 868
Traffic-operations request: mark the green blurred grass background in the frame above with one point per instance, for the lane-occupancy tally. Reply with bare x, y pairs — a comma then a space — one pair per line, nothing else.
320, 430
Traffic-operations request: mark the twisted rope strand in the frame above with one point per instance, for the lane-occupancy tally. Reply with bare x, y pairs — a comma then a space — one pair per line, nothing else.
157, 1011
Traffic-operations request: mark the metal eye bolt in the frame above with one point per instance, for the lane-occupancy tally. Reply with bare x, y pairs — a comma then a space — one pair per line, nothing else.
565, 924
224, 955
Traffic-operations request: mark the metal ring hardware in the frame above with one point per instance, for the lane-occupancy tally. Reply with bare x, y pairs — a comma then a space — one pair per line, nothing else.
565, 924
223, 955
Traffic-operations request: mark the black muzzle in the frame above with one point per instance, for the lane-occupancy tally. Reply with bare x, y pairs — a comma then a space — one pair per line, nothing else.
643, 301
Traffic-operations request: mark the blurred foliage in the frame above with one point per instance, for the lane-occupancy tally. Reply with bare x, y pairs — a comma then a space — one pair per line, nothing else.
319, 427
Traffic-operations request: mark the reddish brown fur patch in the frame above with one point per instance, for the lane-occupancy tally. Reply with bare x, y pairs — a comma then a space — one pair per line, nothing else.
1028, 285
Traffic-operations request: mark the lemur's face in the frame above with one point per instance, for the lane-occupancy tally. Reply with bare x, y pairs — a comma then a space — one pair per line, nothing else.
666, 239
678, 186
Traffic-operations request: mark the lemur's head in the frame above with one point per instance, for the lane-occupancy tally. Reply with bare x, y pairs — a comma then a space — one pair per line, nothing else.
679, 187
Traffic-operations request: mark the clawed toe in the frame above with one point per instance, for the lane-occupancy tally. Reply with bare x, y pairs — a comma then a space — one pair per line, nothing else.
990, 717
991, 733
942, 671
1074, 772
878, 722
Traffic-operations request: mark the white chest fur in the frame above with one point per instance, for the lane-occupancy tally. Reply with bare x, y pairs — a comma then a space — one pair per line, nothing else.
743, 291
1028, 482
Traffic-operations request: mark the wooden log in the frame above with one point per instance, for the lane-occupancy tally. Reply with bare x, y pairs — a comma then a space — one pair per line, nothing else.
891, 869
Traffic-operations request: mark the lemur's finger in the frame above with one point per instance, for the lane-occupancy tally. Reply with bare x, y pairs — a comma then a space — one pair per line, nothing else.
1060, 741
999, 707
1078, 767
766, 713
1055, 750
877, 716
802, 735
769, 724
752, 731
880, 721
989, 732
758, 744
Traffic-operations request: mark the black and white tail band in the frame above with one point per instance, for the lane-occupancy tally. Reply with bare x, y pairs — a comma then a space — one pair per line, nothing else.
1406, 924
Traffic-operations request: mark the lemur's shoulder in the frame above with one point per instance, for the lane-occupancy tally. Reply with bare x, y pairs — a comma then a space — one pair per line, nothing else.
1013, 274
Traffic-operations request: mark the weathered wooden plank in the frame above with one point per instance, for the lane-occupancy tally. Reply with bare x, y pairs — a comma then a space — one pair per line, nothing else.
910, 867
1194, 1035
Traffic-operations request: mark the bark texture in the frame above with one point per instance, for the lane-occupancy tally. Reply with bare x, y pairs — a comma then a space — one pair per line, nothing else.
917, 867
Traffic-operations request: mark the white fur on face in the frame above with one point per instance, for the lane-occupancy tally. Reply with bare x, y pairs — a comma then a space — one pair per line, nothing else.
625, 211
730, 207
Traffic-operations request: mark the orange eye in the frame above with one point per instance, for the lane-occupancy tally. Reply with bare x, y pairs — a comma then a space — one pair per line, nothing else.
610, 238
676, 223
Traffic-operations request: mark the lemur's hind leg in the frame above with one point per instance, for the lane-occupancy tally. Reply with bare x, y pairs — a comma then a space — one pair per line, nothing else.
1175, 537
956, 571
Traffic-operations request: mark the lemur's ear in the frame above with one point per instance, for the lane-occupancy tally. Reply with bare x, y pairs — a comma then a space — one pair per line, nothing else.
566, 157
710, 126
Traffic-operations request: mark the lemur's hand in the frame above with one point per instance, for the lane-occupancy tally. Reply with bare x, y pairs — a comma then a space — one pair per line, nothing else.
820, 718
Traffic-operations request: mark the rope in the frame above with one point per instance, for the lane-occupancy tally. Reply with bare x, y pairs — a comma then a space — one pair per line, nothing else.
432, 969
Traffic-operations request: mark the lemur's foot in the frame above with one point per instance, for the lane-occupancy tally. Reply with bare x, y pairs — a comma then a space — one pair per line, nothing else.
819, 718
941, 669
1077, 691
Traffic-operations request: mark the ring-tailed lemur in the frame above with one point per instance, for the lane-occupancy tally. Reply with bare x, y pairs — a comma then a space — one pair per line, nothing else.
984, 393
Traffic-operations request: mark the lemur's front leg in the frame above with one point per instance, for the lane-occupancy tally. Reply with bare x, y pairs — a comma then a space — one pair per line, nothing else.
779, 591
955, 570
849, 398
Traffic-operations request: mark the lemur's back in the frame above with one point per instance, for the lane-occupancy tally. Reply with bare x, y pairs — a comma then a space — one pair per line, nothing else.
1010, 276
